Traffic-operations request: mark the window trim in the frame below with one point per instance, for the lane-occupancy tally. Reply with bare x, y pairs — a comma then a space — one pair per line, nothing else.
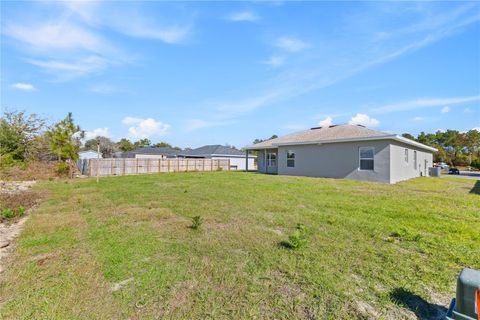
406, 155
290, 152
415, 160
360, 158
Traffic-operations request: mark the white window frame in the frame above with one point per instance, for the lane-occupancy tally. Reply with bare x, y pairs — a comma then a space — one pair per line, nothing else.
406, 155
290, 158
415, 162
271, 162
360, 158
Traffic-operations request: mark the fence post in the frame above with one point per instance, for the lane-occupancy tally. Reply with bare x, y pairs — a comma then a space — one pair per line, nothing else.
136, 165
228, 163
187, 165
178, 165
168, 165
123, 168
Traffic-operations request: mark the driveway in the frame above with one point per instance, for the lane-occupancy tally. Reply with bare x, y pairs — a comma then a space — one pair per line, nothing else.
465, 174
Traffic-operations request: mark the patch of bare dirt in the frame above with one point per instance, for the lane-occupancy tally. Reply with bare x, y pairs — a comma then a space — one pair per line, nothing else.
13, 194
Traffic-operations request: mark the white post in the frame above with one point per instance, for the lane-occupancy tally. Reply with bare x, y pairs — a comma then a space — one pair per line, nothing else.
98, 160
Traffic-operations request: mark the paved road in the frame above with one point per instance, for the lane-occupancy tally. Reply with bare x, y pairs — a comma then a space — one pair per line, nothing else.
465, 174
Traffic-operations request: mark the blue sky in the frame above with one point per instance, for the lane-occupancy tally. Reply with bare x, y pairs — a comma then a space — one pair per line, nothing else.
217, 72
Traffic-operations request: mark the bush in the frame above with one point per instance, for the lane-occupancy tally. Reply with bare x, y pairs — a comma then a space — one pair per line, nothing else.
21, 211
476, 163
196, 222
8, 213
297, 239
62, 168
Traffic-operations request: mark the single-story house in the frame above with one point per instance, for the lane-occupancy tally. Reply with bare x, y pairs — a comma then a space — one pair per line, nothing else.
88, 154
345, 151
238, 159
151, 153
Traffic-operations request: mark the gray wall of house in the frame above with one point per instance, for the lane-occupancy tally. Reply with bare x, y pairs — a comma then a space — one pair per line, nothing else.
336, 160
400, 169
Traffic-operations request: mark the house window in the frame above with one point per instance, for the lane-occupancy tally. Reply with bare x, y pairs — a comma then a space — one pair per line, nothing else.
271, 159
290, 159
406, 155
415, 159
366, 158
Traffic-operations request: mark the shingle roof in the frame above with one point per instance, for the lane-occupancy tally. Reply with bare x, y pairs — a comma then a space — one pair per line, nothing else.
330, 134
212, 149
154, 150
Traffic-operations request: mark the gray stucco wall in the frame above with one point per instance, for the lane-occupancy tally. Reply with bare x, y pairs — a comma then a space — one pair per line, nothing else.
402, 170
336, 160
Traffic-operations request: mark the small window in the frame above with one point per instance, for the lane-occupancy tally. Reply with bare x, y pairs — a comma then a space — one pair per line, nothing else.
271, 159
290, 159
406, 155
366, 155
415, 159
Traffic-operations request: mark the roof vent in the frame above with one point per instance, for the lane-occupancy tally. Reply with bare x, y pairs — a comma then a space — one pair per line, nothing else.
361, 125
315, 128
333, 125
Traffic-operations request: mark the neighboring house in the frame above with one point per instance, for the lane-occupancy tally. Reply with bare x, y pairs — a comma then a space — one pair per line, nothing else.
345, 151
88, 154
151, 153
237, 158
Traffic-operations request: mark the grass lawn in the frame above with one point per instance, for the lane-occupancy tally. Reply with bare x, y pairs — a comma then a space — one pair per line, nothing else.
123, 248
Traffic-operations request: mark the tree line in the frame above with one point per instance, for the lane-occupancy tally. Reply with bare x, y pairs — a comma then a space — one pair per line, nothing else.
454, 148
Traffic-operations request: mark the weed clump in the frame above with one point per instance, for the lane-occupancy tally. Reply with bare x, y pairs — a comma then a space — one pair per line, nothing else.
297, 239
196, 222
403, 235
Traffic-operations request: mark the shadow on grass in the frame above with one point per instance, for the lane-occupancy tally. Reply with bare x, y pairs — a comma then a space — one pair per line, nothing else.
476, 188
422, 308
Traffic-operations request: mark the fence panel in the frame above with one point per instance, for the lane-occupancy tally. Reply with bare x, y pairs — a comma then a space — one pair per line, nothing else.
129, 166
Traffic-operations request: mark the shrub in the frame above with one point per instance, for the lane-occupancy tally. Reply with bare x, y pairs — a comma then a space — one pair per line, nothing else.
297, 239
8, 213
62, 168
476, 163
196, 222
21, 211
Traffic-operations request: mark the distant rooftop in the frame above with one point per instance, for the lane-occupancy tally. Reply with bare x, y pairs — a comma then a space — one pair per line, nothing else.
208, 150
154, 150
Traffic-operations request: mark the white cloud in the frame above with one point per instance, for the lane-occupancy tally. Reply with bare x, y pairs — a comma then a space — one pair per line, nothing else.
418, 119
243, 16
328, 121
23, 86
291, 44
55, 36
424, 103
92, 134
145, 128
195, 124
445, 110
275, 61
66, 70
476, 128
468, 110
364, 120
172, 34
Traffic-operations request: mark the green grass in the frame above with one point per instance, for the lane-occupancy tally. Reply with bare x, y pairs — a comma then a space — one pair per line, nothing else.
364, 242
